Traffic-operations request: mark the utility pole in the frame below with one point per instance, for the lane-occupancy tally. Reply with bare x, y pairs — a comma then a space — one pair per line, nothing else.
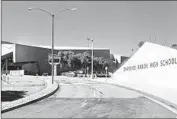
92, 58
88, 42
165, 42
106, 68
155, 39
6, 66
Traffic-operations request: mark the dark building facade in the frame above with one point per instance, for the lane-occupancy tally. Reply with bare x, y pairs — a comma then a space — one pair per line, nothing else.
34, 59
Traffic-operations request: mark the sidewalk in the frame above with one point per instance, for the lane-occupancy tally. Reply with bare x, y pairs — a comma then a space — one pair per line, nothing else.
36, 95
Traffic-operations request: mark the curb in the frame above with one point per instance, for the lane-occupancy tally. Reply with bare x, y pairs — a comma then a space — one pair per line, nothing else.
31, 101
166, 104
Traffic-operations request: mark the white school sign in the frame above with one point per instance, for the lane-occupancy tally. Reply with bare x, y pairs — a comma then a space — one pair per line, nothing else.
152, 69
17, 72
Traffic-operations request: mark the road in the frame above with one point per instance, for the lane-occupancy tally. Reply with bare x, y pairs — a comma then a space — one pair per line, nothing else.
88, 99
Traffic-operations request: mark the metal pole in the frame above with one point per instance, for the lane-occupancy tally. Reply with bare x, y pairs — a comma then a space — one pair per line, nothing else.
73, 9
52, 47
6, 69
88, 52
6, 65
165, 42
87, 71
106, 75
106, 68
88, 43
92, 58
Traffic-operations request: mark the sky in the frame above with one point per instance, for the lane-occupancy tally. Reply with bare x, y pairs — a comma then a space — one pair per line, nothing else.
118, 25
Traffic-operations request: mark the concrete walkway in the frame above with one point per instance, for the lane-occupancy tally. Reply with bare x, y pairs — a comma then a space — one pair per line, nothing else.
34, 93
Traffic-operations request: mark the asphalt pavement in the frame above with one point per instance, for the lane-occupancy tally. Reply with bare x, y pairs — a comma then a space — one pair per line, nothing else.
87, 99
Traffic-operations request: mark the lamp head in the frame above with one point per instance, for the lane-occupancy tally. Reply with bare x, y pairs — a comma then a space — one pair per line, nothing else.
73, 9
29, 9
88, 38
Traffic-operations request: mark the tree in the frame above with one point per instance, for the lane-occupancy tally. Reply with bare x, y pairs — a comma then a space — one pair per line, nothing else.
85, 59
174, 46
112, 57
76, 62
61, 58
81, 61
97, 64
68, 56
117, 63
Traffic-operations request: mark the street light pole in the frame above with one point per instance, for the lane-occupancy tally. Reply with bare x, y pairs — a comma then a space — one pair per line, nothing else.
106, 68
88, 43
89, 39
53, 16
6, 66
6, 69
87, 71
92, 57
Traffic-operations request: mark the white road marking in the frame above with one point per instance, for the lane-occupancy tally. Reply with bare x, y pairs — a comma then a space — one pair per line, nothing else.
72, 83
63, 84
84, 103
94, 93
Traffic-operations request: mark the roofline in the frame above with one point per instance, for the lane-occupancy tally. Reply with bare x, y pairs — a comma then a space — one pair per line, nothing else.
6, 42
60, 47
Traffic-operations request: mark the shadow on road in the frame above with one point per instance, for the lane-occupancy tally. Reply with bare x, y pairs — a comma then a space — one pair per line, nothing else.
12, 95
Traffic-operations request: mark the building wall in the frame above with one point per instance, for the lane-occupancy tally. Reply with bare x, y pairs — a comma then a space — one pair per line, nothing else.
31, 67
123, 58
29, 53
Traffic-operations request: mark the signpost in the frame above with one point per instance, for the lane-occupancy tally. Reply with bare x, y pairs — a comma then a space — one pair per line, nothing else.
56, 61
87, 71
106, 68
17, 72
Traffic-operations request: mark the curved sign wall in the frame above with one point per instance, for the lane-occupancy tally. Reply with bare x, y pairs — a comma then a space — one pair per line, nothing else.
152, 69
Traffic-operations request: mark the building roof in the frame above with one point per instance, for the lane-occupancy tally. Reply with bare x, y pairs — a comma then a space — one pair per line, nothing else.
5, 42
59, 47
69, 48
